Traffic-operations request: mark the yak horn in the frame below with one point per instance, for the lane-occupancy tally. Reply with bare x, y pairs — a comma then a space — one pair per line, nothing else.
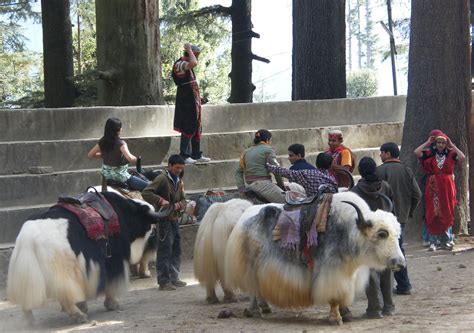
163, 212
361, 222
389, 202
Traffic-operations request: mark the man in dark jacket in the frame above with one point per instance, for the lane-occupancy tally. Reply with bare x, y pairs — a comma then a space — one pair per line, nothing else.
296, 155
166, 189
406, 197
370, 187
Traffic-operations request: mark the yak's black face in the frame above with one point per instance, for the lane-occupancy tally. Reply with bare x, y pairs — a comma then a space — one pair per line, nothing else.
136, 217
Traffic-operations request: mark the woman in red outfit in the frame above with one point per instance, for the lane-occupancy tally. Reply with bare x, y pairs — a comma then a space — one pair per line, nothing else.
438, 157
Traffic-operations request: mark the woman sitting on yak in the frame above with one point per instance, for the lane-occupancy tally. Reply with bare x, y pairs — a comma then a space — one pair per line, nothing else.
252, 171
115, 156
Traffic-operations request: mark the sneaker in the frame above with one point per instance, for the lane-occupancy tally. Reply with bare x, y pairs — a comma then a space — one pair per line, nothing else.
426, 244
167, 286
179, 283
373, 315
446, 246
432, 248
388, 312
401, 292
189, 160
203, 159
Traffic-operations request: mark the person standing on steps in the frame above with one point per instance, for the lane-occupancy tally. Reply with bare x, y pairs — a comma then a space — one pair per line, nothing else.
187, 113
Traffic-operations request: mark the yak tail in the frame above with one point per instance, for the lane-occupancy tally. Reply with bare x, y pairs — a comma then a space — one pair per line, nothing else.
26, 283
205, 265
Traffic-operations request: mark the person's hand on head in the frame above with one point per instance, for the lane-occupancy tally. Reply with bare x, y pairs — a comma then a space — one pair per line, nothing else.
187, 47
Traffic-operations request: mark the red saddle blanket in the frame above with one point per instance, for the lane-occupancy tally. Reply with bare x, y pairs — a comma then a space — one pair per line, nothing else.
92, 221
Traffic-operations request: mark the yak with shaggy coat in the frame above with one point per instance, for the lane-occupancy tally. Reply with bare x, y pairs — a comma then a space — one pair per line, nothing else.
54, 259
211, 241
356, 239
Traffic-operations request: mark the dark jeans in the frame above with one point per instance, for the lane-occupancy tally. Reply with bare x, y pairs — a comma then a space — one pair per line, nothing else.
168, 252
403, 281
190, 147
136, 183
379, 281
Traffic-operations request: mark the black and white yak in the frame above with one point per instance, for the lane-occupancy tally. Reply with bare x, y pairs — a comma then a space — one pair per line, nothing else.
54, 259
356, 239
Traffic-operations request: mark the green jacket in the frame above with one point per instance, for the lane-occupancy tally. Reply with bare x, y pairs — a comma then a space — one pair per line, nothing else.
406, 192
252, 165
163, 188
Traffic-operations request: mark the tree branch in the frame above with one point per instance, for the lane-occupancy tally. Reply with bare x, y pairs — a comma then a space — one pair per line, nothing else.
256, 57
189, 17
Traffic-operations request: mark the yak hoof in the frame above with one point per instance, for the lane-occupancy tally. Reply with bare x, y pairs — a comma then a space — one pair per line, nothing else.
30, 319
335, 321
212, 300
266, 309
111, 304
248, 313
83, 307
79, 317
230, 298
134, 270
145, 275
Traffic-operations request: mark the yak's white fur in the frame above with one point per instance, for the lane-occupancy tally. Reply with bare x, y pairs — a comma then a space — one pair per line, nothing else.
43, 266
211, 241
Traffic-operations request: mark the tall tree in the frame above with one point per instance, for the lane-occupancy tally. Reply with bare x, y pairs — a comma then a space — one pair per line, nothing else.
57, 53
470, 122
439, 85
211, 33
128, 52
242, 87
319, 53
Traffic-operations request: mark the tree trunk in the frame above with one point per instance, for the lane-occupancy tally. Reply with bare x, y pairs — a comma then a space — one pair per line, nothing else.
241, 73
359, 37
128, 52
57, 53
368, 35
319, 49
349, 35
439, 88
470, 122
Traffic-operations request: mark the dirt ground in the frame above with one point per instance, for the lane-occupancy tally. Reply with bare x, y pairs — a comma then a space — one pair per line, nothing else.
442, 300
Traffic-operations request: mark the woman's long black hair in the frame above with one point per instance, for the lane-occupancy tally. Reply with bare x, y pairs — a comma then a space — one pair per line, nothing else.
262, 135
111, 134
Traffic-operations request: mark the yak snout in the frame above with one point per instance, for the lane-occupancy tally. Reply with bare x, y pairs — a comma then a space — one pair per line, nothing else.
397, 264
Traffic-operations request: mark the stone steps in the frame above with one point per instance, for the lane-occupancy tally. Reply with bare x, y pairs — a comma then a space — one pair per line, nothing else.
42, 190
36, 189
68, 155
153, 120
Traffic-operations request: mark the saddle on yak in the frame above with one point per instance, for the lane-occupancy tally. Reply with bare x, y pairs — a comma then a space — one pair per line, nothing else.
300, 224
95, 214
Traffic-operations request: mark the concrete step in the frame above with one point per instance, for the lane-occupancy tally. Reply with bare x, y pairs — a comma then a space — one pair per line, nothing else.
153, 120
70, 155
39, 189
